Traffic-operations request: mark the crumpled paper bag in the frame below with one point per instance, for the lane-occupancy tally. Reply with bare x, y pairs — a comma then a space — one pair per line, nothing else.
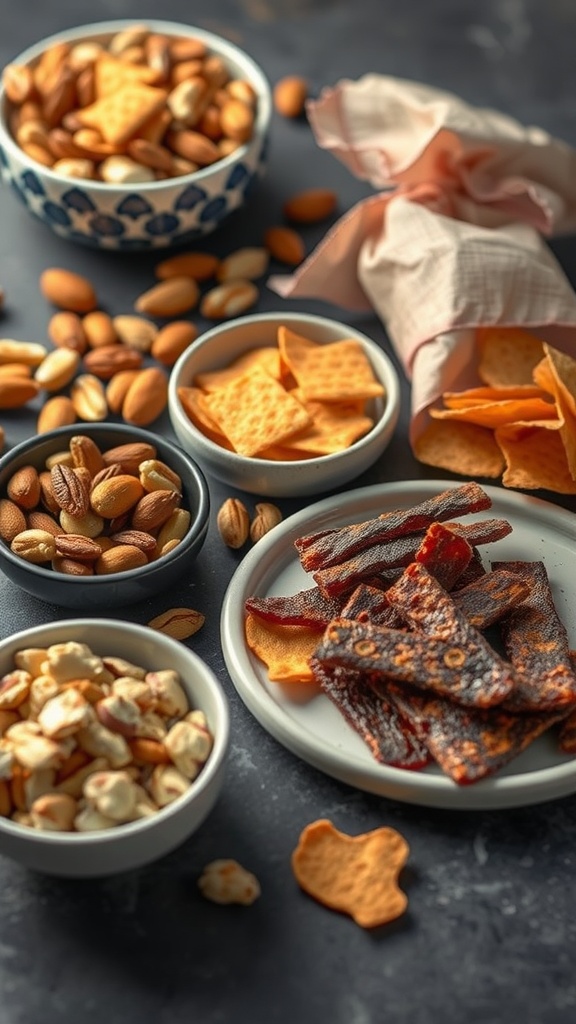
454, 239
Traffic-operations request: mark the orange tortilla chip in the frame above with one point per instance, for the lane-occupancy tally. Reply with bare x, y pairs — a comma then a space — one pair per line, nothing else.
268, 358
285, 650
545, 375
508, 355
496, 414
463, 448
254, 411
563, 371
356, 875
333, 372
482, 395
535, 457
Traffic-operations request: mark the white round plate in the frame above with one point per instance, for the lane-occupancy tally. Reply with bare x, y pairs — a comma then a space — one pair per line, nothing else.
309, 725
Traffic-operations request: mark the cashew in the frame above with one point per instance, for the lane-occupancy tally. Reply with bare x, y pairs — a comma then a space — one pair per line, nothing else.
53, 812
171, 699
226, 881
188, 747
113, 794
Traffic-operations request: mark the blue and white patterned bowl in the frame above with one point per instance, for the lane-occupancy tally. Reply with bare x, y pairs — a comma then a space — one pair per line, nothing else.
154, 215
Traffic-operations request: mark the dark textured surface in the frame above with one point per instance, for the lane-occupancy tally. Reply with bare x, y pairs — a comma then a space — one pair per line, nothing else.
490, 935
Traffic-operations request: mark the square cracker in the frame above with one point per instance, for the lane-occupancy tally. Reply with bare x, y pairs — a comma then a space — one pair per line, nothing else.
333, 372
254, 411
119, 116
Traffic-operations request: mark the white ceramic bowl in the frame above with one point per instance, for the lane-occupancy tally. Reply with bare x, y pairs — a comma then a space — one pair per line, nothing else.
219, 347
91, 854
153, 215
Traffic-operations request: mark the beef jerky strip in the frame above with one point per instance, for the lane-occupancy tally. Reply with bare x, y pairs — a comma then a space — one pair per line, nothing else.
491, 597
428, 608
445, 553
536, 642
470, 675
567, 737
321, 550
390, 740
306, 608
370, 604
473, 571
343, 578
468, 743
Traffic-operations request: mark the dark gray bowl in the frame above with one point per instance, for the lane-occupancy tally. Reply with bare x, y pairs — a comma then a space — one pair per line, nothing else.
85, 593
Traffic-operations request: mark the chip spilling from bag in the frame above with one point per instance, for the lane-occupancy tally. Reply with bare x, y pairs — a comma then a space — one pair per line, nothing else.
519, 423
297, 400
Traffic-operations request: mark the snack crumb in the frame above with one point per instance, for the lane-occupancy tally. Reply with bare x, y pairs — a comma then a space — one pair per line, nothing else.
226, 881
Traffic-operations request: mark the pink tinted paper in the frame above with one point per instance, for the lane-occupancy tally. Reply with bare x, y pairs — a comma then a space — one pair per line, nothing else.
454, 238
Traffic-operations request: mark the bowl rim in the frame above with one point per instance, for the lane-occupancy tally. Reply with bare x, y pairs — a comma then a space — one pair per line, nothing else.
219, 44
387, 420
210, 769
197, 527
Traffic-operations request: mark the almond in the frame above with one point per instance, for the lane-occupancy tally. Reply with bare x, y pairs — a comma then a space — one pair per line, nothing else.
172, 340
179, 623
43, 521
99, 329
146, 397
113, 497
23, 487
12, 520
11, 370
16, 391
70, 491
193, 146
237, 120
312, 205
110, 359
58, 411
233, 523
77, 547
228, 299
169, 298
129, 456
248, 263
66, 330
285, 245
117, 389
154, 509
289, 95
135, 331
199, 265
67, 290
120, 558
18, 82
86, 454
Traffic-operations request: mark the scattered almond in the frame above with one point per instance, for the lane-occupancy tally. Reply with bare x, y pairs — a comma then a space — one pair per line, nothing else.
289, 95
68, 290
285, 245
146, 397
172, 297
179, 623
229, 299
311, 205
58, 411
267, 517
172, 340
233, 523
199, 265
247, 263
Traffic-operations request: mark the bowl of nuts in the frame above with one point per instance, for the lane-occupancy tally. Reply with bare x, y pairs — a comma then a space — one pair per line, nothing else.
97, 515
123, 135
113, 746
284, 404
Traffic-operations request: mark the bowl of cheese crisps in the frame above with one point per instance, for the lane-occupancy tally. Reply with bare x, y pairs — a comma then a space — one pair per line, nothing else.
284, 404
133, 135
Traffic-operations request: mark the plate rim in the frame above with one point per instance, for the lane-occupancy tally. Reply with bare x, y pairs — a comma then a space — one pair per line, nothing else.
550, 782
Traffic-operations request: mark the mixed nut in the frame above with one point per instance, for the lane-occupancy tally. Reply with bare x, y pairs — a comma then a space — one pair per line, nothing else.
90, 742
92, 512
143, 106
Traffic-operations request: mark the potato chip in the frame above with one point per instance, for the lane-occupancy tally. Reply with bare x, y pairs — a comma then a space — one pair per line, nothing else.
356, 875
508, 355
330, 373
496, 414
267, 357
545, 376
535, 457
254, 411
285, 650
463, 448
